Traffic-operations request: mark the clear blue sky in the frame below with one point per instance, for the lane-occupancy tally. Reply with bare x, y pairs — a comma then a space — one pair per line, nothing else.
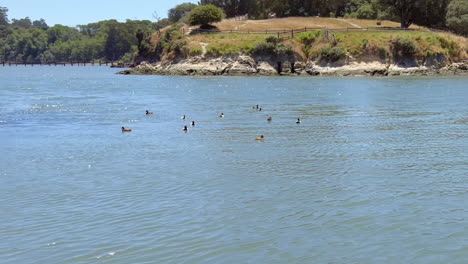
75, 12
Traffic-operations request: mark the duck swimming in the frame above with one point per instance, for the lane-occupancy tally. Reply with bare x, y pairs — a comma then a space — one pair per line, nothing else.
221, 115
193, 123
269, 119
260, 138
185, 129
298, 121
124, 129
183, 117
149, 113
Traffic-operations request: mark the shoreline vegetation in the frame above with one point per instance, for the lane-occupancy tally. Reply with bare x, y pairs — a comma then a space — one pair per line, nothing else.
331, 51
268, 37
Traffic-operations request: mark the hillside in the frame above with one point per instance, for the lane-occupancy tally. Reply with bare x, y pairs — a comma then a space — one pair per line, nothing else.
301, 22
340, 42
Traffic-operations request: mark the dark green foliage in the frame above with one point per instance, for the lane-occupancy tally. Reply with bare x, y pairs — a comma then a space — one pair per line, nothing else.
179, 11
23, 22
34, 42
4, 16
457, 16
271, 47
332, 54
205, 15
404, 47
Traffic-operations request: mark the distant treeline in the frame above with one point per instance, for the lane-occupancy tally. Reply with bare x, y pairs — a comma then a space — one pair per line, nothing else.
26, 41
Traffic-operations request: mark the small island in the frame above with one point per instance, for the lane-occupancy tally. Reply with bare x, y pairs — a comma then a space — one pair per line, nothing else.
205, 44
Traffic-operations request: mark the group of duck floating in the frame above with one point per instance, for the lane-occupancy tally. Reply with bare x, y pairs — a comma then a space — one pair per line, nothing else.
186, 129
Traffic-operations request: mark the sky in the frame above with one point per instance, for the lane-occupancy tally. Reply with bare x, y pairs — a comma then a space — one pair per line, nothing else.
78, 12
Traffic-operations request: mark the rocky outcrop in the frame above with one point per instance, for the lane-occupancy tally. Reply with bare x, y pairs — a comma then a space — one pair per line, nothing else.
246, 65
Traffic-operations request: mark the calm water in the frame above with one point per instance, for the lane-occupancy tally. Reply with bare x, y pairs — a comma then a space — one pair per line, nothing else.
376, 173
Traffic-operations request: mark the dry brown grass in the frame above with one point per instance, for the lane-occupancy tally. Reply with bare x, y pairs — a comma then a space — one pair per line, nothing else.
364, 23
301, 22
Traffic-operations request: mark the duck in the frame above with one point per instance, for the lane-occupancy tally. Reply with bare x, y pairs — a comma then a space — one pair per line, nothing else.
185, 129
260, 109
221, 115
192, 123
298, 121
149, 113
260, 138
124, 129
183, 117
269, 119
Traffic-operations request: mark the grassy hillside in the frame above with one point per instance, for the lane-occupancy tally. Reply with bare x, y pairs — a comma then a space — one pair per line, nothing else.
301, 22
319, 45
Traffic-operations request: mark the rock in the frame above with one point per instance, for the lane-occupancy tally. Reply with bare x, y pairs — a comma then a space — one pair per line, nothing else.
264, 68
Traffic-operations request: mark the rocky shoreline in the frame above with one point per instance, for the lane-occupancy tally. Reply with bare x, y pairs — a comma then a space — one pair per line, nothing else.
248, 66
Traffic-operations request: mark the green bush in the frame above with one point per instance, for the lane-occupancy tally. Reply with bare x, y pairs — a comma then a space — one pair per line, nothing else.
271, 49
197, 51
205, 15
332, 54
264, 48
308, 38
404, 47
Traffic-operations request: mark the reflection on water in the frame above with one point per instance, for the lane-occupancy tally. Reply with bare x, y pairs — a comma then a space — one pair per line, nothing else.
376, 171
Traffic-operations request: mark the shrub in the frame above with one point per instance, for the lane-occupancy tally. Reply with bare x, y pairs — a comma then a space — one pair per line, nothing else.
197, 51
178, 45
273, 40
332, 54
308, 38
382, 52
404, 47
271, 49
205, 15
264, 48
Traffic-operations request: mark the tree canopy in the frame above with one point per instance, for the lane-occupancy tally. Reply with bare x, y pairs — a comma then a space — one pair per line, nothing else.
457, 16
24, 40
205, 15
179, 11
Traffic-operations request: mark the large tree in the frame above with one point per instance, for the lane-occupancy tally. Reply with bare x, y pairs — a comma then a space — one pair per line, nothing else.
3, 16
457, 16
179, 11
205, 15
406, 10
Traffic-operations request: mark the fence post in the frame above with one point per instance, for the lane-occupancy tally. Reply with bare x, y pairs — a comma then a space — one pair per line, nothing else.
292, 33
278, 34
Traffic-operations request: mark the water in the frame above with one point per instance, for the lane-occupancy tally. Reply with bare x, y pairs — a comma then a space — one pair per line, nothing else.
376, 173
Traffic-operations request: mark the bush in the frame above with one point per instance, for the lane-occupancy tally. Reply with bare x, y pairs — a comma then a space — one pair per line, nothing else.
332, 54
308, 38
205, 15
271, 49
197, 51
178, 45
404, 47
264, 48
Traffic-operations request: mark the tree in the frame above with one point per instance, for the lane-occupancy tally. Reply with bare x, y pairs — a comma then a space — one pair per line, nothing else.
457, 16
176, 13
404, 9
205, 15
40, 24
3, 16
23, 22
